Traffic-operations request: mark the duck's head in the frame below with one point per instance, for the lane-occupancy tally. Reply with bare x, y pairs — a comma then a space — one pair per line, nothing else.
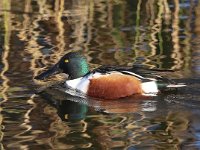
73, 64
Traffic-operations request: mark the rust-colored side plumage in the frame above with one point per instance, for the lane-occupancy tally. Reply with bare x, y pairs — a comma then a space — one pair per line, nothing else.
114, 86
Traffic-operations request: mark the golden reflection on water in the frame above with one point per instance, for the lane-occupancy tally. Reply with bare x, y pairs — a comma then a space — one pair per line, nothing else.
187, 41
7, 26
156, 28
6, 46
196, 41
94, 28
175, 37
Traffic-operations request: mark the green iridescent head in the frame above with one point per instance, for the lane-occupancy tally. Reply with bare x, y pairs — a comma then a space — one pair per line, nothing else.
73, 64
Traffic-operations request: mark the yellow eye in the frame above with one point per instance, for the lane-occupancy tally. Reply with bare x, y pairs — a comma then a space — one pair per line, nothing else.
66, 60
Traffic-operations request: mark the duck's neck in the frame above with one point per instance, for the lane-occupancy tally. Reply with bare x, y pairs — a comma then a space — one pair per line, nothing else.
79, 70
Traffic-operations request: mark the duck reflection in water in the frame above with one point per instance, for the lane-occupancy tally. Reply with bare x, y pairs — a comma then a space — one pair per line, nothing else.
74, 107
163, 118
67, 110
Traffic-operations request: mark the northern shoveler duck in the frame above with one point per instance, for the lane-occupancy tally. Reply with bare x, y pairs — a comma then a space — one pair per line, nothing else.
108, 82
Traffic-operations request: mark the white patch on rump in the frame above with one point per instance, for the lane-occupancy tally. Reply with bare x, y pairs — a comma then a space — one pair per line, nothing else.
150, 87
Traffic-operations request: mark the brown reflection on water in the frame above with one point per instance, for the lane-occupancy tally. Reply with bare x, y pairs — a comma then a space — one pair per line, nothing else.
5, 79
6, 46
168, 131
187, 41
175, 36
31, 34
156, 28
127, 124
59, 128
196, 42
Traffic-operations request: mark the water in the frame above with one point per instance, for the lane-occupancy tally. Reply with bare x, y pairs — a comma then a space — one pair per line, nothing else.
159, 34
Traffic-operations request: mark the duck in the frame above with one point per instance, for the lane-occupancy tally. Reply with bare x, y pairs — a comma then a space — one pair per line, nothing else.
109, 82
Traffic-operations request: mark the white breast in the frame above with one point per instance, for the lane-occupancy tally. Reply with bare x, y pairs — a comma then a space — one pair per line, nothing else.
82, 83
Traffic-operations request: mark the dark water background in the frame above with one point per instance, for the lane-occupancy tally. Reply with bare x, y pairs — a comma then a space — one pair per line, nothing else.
163, 34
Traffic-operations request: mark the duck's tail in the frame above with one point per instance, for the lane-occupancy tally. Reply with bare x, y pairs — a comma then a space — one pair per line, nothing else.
176, 85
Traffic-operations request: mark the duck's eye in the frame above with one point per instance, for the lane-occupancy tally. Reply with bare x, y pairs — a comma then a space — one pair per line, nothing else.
66, 60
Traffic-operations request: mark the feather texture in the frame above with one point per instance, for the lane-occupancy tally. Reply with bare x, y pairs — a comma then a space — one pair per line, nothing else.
114, 86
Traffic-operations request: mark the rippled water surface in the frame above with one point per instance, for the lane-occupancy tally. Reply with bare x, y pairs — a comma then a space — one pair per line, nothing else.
162, 34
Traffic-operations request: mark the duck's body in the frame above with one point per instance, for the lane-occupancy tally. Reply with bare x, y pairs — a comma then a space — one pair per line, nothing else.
107, 86
112, 85
108, 82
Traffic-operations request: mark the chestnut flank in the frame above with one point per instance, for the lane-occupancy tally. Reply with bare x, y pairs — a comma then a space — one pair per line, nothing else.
114, 86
